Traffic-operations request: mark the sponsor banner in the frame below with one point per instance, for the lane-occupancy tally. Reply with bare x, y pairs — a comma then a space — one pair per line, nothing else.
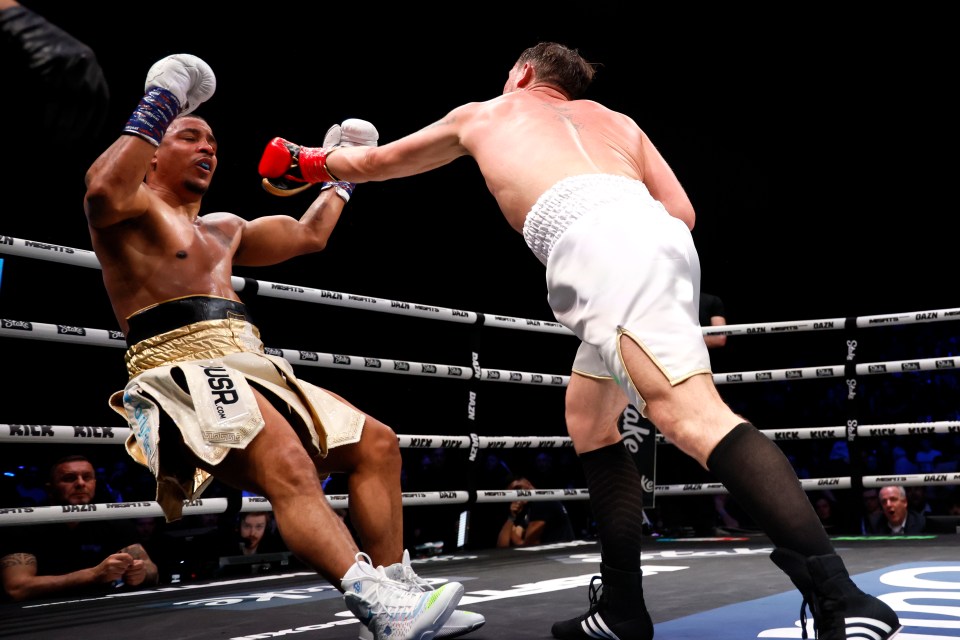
639, 436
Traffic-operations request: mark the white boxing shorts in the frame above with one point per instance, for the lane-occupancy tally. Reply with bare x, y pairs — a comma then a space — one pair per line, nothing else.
618, 263
200, 375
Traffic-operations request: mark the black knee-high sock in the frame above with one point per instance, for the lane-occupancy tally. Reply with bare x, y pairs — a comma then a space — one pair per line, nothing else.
760, 478
616, 500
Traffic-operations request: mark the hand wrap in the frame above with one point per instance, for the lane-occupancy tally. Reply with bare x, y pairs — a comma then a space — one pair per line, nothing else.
153, 115
343, 189
176, 84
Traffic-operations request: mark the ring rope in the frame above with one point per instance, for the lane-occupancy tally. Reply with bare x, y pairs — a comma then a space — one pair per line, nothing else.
86, 258
111, 338
148, 508
91, 434
65, 333
119, 510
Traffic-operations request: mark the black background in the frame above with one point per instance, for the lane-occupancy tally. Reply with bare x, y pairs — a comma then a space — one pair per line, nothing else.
818, 148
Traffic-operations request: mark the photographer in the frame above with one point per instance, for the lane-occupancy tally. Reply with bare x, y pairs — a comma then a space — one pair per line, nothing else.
534, 523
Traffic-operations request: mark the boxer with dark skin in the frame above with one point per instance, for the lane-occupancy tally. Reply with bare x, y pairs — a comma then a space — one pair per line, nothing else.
167, 270
143, 208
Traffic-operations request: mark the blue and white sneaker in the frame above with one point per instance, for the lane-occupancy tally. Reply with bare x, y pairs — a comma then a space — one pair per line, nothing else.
459, 623
394, 610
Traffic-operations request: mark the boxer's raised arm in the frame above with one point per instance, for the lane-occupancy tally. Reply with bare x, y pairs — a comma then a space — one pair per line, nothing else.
175, 85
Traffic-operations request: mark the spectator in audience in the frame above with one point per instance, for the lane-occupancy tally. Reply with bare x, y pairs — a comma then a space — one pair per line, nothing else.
897, 518
255, 534
151, 532
825, 506
871, 511
493, 472
73, 557
712, 314
534, 522
918, 499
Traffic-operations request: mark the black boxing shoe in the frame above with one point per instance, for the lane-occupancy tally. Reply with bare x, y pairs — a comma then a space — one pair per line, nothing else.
617, 610
841, 611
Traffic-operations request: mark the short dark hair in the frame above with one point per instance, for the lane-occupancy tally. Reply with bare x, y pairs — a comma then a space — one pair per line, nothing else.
242, 516
192, 115
561, 66
76, 457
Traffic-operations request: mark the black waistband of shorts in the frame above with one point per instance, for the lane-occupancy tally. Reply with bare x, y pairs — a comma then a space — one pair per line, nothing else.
180, 312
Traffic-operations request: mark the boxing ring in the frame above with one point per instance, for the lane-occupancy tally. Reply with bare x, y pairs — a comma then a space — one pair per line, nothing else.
691, 583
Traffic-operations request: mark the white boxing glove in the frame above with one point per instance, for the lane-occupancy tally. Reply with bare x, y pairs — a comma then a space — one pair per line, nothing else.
353, 132
187, 77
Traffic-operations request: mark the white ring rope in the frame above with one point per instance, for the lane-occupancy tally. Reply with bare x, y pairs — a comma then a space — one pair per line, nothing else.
90, 434
113, 338
150, 509
85, 258
115, 510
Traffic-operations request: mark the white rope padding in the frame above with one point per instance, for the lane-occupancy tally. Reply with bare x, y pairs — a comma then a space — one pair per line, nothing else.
47, 433
483, 442
151, 509
111, 338
100, 337
534, 495
58, 434
107, 435
85, 258
838, 371
818, 484
116, 510
832, 324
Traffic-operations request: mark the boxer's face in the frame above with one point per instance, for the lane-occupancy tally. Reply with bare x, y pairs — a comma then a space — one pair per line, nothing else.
187, 155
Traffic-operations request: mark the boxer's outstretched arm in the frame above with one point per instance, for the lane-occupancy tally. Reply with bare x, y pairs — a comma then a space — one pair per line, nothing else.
433, 146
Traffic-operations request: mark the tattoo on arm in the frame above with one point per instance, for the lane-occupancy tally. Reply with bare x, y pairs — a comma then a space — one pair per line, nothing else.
15, 559
139, 553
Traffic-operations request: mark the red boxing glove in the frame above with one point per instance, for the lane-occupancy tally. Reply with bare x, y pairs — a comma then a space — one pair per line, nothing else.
288, 168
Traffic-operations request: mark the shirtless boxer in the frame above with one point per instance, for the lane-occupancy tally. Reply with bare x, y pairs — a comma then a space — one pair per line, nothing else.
601, 208
203, 398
